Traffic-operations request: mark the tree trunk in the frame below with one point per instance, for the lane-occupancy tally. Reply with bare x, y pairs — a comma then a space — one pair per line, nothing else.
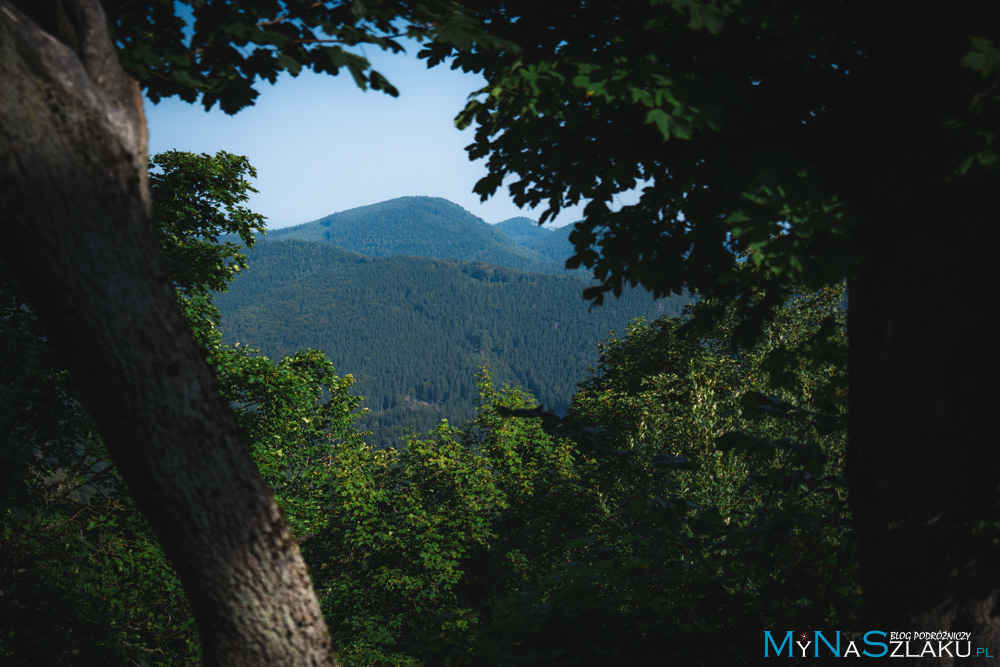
77, 231
924, 465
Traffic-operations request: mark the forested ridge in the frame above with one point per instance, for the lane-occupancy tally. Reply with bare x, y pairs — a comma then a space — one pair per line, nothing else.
430, 227
413, 331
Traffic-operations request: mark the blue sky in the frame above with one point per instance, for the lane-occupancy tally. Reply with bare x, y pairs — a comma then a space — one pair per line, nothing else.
321, 145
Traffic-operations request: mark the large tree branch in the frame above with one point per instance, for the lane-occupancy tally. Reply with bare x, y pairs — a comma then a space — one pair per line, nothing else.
77, 232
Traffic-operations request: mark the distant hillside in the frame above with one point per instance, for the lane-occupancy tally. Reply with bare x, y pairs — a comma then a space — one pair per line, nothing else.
555, 246
551, 244
420, 227
413, 331
523, 230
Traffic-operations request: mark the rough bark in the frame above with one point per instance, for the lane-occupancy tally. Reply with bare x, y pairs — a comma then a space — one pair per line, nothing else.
76, 230
923, 465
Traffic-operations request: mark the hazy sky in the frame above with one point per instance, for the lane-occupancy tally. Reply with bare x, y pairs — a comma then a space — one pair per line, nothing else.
320, 145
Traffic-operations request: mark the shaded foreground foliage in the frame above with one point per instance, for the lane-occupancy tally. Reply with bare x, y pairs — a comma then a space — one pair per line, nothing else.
782, 131
693, 489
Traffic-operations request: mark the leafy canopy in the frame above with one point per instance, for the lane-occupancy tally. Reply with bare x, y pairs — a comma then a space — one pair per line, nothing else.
745, 125
196, 200
720, 504
217, 52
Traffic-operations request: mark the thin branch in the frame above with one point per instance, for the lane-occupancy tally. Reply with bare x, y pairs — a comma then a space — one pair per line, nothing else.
979, 98
267, 22
61, 523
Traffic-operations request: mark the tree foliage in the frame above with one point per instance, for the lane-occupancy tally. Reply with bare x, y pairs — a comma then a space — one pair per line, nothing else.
423, 538
196, 200
788, 135
735, 121
721, 501
670, 120
217, 52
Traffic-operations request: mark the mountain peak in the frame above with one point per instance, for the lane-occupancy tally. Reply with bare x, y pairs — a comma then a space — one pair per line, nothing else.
427, 227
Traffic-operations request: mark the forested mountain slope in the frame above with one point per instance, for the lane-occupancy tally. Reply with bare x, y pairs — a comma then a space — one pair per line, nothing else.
421, 227
413, 331
523, 230
554, 246
549, 243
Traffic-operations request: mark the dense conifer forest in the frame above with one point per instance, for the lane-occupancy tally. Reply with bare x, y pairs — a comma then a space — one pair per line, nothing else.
413, 330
